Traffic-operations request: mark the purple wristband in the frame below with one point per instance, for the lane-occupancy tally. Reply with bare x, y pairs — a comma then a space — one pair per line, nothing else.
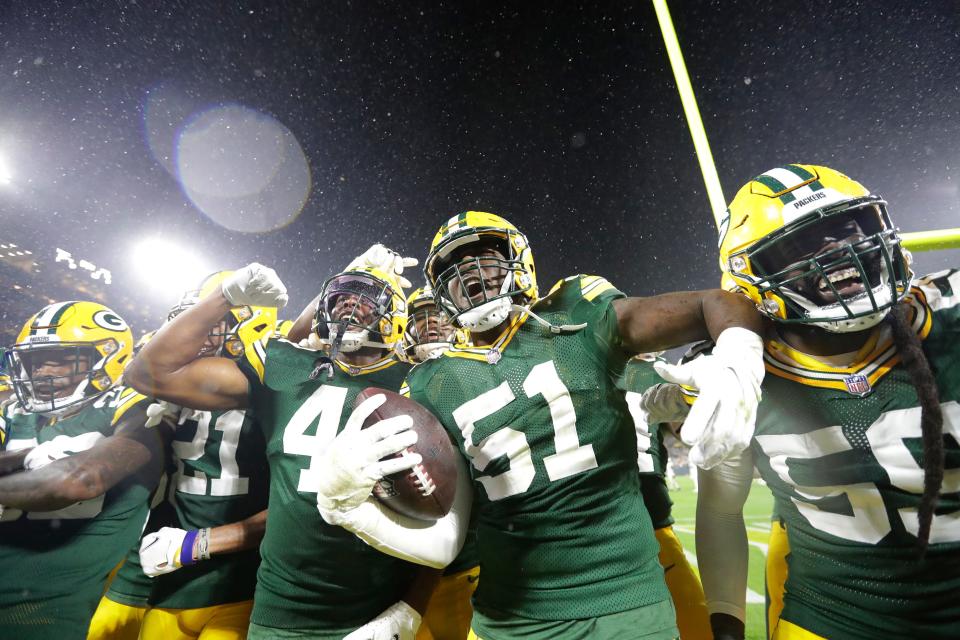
186, 548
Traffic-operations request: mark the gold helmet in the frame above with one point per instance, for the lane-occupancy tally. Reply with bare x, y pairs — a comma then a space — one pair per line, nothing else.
68, 355
240, 327
361, 307
429, 331
454, 280
809, 245
727, 283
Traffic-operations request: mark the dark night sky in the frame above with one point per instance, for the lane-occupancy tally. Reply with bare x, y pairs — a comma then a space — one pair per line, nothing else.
563, 118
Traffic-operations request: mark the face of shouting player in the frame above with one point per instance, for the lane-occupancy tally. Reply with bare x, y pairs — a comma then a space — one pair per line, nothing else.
830, 244
55, 373
481, 272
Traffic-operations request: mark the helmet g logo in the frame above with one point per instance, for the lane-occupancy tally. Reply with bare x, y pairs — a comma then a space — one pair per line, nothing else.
109, 320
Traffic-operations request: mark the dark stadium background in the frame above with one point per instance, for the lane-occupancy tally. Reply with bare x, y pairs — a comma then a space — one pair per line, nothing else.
563, 117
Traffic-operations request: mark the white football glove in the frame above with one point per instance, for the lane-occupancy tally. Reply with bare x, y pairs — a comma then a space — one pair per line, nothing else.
351, 464
379, 257
161, 409
722, 420
399, 621
161, 552
255, 285
663, 402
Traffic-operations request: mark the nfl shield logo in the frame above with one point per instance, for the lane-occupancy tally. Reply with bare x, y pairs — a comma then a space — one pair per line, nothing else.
857, 385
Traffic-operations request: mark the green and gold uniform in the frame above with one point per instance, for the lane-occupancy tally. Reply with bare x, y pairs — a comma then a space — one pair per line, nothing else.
18, 429
313, 577
122, 608
775, 570
56, 563
562, 530
840, 448
448, 611
221, 477
693, 619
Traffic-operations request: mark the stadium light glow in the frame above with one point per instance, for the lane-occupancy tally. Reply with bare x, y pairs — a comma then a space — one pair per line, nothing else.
5, 176
166, 267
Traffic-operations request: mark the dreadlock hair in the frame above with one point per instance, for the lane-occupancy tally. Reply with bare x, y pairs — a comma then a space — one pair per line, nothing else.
931, 417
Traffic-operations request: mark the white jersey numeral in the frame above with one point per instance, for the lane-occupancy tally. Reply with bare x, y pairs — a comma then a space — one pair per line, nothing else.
80, 510
866, 517
230, 482
570, 458
327, 404
887, 437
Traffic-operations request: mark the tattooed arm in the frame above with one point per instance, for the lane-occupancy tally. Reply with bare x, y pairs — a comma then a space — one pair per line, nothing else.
133, 452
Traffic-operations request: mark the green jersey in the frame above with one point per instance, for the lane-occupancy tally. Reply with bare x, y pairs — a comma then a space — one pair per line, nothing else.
313, 575
638, 376
56, 563
221, 477
18, 429
562, 530
130, 585
840, 448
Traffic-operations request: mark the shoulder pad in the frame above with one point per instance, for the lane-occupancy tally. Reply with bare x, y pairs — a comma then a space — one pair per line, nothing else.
125, 399
255, 355
941, 289
586, 286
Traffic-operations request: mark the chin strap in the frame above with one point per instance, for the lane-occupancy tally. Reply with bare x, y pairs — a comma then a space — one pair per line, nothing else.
325, 362
555, 329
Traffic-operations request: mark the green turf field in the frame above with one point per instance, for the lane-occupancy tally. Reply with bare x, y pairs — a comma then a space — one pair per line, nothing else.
756, 514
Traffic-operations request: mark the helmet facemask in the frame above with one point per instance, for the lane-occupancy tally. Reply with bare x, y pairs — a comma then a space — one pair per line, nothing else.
841, 268
355, 312
428, 334
478, 290
79, 377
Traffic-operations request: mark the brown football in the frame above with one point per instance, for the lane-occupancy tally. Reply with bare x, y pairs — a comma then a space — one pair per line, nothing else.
426, 491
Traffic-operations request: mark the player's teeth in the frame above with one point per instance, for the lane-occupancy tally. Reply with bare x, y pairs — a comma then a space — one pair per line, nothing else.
837, 276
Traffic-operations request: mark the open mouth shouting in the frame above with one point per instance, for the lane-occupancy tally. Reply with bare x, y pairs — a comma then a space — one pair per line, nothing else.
846, 281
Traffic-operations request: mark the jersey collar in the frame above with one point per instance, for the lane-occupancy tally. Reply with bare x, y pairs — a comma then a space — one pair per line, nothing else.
874, 360
485, 353
362, 370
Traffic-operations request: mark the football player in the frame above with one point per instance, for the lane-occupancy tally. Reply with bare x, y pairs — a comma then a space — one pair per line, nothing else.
566, 546
219, 493
315, 580
429, 331
693, 620
858, 428
122, 608
79, 499
428, 334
